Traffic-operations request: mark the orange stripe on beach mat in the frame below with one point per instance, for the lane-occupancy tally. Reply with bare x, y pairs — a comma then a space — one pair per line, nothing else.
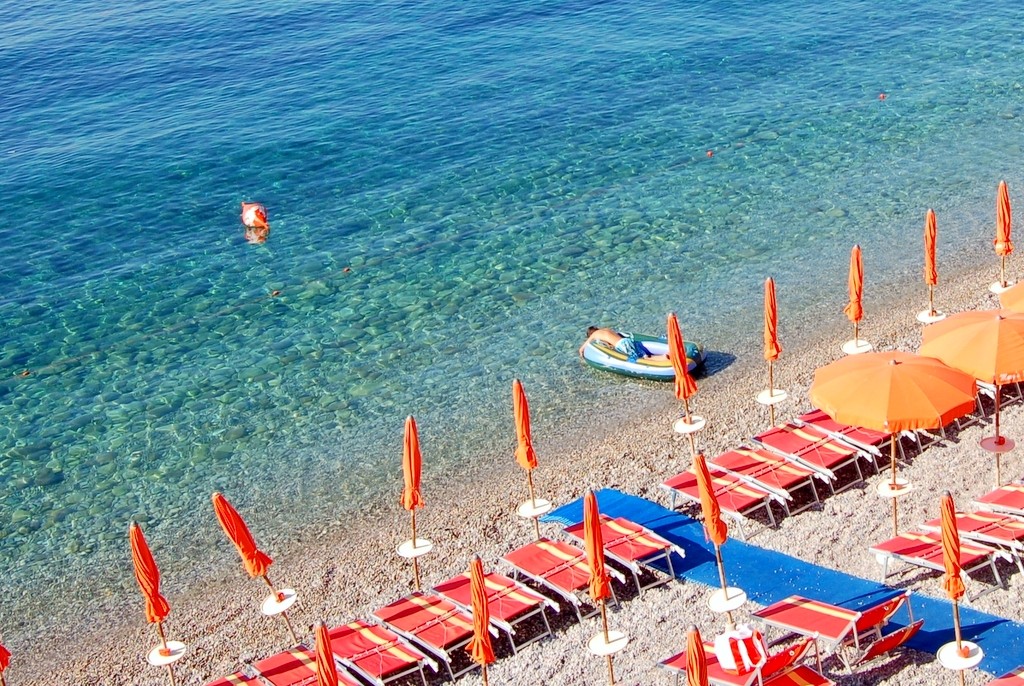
632, 534
392, 647
818, 608
503, 590
453, 616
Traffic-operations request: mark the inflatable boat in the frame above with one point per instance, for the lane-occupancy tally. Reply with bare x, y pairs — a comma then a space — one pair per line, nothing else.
600, 355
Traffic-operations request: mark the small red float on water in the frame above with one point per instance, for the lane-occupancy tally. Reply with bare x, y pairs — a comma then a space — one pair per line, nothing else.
710, 153
882, 96
254, 216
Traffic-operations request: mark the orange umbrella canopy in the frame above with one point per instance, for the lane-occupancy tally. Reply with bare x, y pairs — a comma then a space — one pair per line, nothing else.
5, 658
255, 560
892, 391
855, 284
526, 456
696, 659
951, 581
987, 344
1002, 242
931, 272
685, 386
148, 576
1013, 298
326, 671
772, 347
716, 529
479, 647
600, 586
412, 463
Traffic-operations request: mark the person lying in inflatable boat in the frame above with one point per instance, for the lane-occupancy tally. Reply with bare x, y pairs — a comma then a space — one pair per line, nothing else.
624, 343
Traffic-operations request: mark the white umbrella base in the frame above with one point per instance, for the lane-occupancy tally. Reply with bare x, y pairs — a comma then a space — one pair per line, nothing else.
950, 659
856, 346
1003, 445
770, 396
927, 317
1000, 288
532, 509
726, 601
411, 549
157, 659
886, 489
616, 642
273, 606
681, 426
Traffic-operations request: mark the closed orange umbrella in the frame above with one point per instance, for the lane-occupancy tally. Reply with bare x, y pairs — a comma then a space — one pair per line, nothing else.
952, 584
892, 392
772, 347
931, 272
256, 562
479, 647
1002, 242
5, 662
326, 670
685, 386
855, 286
412, 499
600, 584
988, 345
696, 659
716, 529
148, 576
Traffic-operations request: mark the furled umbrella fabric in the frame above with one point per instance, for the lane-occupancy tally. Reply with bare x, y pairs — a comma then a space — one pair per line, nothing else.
412, 462
696, 659
855, 285
255, 560
717, 530
479, 647
148, 576
1003, 242
952, 583
5, 660
931, 272
685, 386
600, 586
526, 456
772, 347
326, 670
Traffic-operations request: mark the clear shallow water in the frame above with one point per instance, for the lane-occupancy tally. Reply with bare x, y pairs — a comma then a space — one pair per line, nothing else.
455, 193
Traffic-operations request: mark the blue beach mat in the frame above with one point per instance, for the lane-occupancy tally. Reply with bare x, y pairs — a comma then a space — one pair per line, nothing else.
768, 576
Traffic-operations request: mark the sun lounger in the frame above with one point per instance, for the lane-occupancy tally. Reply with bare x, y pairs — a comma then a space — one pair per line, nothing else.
558, 566
632, 545
433, 623
294, 667
837, 627
886, 644
1014, 678
780, 668
236, 679
1008, 499
736, 498
822, 454
376, 653
1001, 531
869, 440
771, 472
510, 603
924, 549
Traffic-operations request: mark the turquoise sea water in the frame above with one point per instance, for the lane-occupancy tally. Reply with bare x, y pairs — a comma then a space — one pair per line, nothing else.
455, 192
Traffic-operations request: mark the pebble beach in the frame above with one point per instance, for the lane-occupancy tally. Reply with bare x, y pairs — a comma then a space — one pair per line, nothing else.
344, 569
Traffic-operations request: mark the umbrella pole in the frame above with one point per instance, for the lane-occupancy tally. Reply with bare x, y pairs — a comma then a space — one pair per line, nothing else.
956, 629
1002, 271
771, 392
164, 650
483, 673
611, 671
604, 621
415, 563
725, 586
529, 483
892, 459
686, 418
856, 332
284, 615
931, 300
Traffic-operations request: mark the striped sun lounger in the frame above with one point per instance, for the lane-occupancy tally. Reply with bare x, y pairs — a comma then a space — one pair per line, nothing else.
771, 472
1014, 678
1002, 531
823, 454
632, 545
558, 566
236, 679
781, 669
869, 440
294, 667
510, 603
431, 622
1008, 499
736, 497
924, 549
377, 653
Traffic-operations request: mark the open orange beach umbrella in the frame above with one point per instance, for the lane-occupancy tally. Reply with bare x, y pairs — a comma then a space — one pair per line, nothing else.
148, 576
479, 647
685, 386
600, 586
772, 347
931, 272
255, 560
855, 285
412, 463
526, 456
696, 659
716, 529
326, 670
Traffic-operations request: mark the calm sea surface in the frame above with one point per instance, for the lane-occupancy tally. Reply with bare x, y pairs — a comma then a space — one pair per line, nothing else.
456, 190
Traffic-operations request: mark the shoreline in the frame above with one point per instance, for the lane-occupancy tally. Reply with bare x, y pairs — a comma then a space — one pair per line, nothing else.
344, 570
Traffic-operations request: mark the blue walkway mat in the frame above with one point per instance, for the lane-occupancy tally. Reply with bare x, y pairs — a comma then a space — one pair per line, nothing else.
768, 576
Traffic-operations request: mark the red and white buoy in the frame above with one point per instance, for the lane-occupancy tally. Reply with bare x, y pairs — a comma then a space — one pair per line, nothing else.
254, 216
